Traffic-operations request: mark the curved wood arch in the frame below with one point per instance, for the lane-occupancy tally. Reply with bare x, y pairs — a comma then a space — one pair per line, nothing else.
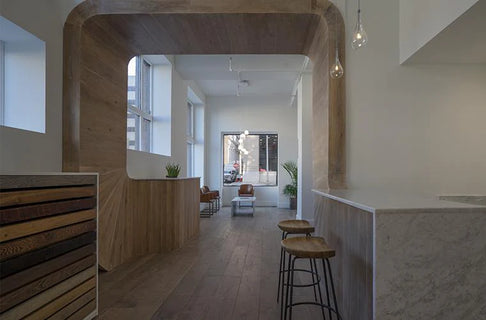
101, 36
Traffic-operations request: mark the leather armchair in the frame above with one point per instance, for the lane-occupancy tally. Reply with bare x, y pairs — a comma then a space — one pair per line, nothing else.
246, 190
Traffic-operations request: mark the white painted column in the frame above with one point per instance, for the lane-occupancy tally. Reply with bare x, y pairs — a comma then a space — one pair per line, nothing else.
305, 199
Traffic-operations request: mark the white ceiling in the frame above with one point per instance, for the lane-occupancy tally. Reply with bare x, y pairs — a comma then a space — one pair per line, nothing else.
268, 75
463, 41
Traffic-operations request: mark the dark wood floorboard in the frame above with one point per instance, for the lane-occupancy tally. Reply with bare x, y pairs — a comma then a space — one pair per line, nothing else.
229, 272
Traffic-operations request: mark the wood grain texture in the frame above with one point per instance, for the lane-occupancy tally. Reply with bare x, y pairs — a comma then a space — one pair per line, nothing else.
23, 293
11, 182
13, 198
19, 214
23, 245
349, 231
26, 276
27, 307
100, 37
23, 229
73, 306
35, 257
84, 311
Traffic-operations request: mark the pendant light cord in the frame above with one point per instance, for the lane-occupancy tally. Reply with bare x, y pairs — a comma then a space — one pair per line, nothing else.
336, 32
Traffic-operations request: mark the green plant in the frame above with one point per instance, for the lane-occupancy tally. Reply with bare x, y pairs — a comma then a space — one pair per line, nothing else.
291, 189
173, 170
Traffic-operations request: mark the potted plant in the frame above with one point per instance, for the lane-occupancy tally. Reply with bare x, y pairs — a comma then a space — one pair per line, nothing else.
173, 170
290, 190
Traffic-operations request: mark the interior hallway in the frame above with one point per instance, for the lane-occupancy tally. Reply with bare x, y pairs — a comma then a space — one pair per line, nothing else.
228, 272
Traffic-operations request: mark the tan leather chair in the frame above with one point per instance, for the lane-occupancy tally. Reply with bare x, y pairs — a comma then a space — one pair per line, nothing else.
209, 199
246, 190
214, 194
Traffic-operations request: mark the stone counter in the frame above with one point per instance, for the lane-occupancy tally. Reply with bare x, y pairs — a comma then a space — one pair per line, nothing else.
405, 256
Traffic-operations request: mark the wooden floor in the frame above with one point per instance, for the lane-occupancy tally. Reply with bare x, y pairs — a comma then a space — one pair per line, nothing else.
228, 272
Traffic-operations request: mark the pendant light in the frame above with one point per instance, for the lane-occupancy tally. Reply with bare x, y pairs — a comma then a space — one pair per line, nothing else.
359, 35
337, 70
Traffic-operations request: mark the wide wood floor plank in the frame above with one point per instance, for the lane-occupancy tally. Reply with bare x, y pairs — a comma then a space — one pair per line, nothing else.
228, 272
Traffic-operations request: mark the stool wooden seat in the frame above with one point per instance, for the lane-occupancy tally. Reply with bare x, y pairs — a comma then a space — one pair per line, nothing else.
313, 249
296, 226
308, 247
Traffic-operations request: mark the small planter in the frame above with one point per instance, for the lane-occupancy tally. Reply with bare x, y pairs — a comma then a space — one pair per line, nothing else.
293, 203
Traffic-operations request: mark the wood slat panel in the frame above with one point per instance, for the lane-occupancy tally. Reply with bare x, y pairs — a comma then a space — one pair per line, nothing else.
23, 229
349, 231
8, 182
19, 214
70, 308
20, 246
24, 277
84, 311
13, 198
32, 258
47, 296
17, 296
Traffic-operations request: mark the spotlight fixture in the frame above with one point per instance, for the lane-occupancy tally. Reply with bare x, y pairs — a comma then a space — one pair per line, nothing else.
244, 83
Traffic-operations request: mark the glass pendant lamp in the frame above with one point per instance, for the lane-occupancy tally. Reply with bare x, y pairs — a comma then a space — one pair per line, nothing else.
359, 35
337, 70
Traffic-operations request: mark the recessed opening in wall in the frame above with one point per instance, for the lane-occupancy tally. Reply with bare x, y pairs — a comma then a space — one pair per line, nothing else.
22, 78
149, 104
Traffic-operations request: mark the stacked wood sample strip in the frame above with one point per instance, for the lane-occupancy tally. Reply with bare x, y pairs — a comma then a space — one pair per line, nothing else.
48, 251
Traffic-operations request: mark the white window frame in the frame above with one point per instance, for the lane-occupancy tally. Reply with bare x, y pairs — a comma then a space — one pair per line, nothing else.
190, 140
138, 110
2, 82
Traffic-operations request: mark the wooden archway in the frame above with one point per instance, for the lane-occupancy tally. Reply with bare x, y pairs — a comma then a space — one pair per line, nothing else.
101, 36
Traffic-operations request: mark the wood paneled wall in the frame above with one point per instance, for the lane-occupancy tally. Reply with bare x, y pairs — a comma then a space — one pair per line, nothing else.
349, 231
99, 39
48, 256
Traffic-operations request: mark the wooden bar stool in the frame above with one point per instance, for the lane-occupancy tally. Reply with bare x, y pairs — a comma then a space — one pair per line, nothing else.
291, 227
309, 248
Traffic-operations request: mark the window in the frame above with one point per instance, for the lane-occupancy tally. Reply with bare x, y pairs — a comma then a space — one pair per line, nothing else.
190, 139
139, 98
250, 158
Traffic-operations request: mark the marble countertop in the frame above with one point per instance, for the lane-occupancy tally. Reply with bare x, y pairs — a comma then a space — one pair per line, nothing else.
381, 201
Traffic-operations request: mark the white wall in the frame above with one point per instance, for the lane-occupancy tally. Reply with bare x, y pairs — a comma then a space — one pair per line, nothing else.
411, 127
422, 20
305, 198
143, 165
22, 151
229, 114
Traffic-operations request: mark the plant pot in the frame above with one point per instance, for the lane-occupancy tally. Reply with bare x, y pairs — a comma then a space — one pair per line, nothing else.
293, 203
170, 177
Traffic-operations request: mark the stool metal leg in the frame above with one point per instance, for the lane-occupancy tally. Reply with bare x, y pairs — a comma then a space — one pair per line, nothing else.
313, 279
286, 303
332, 288
320, 292
327, 289
291, 287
